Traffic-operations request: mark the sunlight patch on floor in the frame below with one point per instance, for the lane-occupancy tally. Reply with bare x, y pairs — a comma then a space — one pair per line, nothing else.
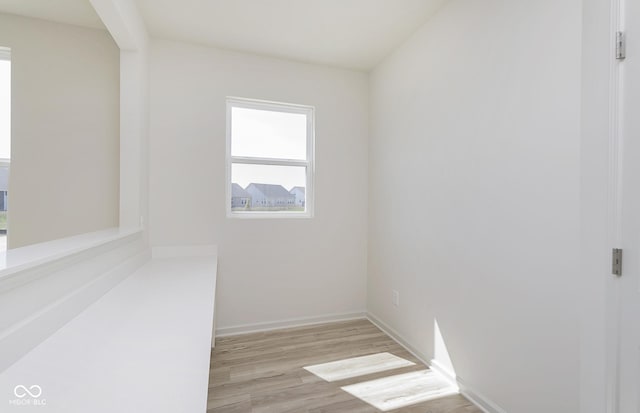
358, 366
401, 390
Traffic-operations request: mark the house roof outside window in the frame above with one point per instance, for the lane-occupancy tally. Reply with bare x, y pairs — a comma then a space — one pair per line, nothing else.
238, 192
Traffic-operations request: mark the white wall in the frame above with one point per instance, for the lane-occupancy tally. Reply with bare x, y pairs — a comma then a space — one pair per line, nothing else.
474, 196
127, 27
65, 130
269, 269
595, 270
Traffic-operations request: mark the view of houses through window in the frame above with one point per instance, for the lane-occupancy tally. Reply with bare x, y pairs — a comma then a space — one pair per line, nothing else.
267, 197
270, 152
5, 140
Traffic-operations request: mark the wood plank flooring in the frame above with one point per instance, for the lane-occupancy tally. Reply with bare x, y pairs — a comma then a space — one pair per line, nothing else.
264, 372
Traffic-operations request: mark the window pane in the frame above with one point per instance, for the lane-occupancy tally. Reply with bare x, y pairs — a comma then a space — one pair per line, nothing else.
268, 188
5, 109
268, 134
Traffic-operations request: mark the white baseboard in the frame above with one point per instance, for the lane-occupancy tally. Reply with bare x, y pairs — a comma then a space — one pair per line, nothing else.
482, 402
479, 400
184, 251
449, 375
289, 323
397, 338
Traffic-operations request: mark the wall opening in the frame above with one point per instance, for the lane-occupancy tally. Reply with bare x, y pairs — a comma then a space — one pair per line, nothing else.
5, 140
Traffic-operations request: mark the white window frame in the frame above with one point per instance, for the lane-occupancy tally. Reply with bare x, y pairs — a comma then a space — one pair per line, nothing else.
5, 53
309, 164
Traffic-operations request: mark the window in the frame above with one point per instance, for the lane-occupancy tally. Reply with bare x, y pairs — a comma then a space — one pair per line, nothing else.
5, 139
269, 159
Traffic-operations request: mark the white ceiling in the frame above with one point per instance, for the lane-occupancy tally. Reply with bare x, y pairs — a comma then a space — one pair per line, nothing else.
347, 33
354, 34
76, 12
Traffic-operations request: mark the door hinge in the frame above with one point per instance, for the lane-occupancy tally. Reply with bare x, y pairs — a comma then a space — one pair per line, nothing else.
621, 46
616, 261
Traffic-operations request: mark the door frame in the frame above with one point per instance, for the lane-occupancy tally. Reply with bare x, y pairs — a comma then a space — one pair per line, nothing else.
614, 202
600, 195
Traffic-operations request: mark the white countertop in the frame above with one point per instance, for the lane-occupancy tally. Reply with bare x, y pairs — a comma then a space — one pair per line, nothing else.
143, 347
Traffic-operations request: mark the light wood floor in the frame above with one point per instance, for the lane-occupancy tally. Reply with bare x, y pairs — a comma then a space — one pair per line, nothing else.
263, 372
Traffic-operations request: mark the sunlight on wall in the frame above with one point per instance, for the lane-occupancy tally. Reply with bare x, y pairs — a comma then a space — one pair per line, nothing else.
441, 359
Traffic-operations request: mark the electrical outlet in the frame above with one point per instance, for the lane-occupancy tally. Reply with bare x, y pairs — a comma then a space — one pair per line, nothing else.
395, 298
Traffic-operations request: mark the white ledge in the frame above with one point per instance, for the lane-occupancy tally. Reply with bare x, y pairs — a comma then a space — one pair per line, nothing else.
32, 256
143, 347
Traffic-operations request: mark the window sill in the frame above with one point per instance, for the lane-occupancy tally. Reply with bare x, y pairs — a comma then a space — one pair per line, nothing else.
269, 215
